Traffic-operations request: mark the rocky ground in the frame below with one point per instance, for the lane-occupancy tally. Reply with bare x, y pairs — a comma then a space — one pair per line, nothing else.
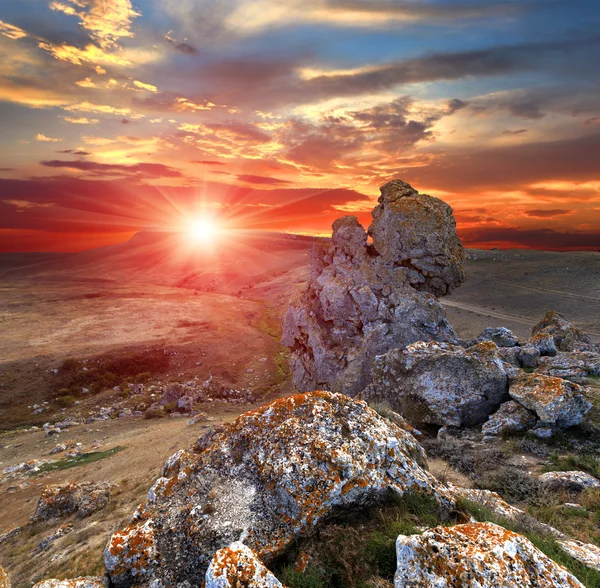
116, 394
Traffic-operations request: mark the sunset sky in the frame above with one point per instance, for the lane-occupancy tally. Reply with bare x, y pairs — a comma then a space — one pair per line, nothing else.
124, 115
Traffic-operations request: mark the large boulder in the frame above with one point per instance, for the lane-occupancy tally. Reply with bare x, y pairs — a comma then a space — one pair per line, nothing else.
501, 336
363, 300
566, 336
511, 417
235, 566
265, 479
440, 383
68, 498
574, 366
475, 554
573, 481
555, 401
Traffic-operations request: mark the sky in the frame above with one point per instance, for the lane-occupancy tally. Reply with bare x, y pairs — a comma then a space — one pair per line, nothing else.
126, 115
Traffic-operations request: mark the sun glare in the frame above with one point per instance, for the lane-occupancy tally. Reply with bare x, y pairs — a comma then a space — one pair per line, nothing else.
203, 230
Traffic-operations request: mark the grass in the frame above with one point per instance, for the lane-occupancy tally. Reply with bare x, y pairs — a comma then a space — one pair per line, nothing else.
545, 542
565, 463
65, 464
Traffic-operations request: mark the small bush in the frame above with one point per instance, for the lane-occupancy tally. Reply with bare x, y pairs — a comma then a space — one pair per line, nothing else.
311, 577
66, 401
154, 413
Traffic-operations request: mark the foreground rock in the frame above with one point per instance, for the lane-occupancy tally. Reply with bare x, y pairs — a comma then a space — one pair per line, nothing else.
476, 554
363, 300
69, 498
586, 553
440, 383
83, 582
555, 401
511, 417
237, 565
265, 479
571, 481
566, 336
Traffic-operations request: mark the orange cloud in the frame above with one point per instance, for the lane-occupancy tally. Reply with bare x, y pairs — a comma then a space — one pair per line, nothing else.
91, 53
143, 86
11, 31
43, 138
80, 121
86, 83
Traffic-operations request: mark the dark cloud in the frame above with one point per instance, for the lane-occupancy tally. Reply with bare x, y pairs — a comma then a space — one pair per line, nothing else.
540, 213
515, 132
184, 48
207, 162
125, 121
74, 152
260, 179
143, 170
5, 169
530, 110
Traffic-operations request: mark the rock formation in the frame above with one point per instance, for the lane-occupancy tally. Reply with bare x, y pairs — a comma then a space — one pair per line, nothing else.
574, 366
365, 299
265, 479
566, 336
440, 383
475, 554
510, 417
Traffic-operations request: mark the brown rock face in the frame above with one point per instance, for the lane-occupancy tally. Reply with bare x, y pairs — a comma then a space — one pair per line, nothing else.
363, 300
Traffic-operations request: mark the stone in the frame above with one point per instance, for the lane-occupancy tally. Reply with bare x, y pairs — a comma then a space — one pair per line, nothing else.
47, 541
236, 565
566, 336
4, 579
84, 499
529, 356
185, 403
266, 479
484, 555
510, 417
586, 553
501, 336
543, 432
440, 383
574, 481
363, 300
555, 401
83, 582
491, 500
198, 418
544, 343
575, 366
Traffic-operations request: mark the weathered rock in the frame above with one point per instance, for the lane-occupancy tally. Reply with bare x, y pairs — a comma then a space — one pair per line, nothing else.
574, 481
476, 554
83, 582
488, 499
440, 383
555, 401
237, 565
510, 417
501, 336
544, 343
586, 553
529, 356
4, 579
65, 499
566, 336
576, 366
363, 300
63, 530
266, 479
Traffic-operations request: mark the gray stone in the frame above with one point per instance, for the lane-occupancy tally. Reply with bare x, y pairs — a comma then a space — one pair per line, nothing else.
510, 417
574, 481
566, 336
501, 336
574, 366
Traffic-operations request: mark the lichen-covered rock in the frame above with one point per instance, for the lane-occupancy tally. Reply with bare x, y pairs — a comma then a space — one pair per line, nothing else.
481, 555
440, 383
555, 401
576, 366
544, 343
265, 479
510, 417
4, 579
501, 336
83, 582
491, 500
236, 565
586, 553
65, 499
363, 300
574, 481
566, 336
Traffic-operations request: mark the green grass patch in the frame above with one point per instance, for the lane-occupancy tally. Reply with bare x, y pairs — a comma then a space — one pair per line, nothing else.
65, 464
571, 462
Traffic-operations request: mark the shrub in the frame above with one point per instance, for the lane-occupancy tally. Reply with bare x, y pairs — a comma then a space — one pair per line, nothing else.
154, 413
66, 401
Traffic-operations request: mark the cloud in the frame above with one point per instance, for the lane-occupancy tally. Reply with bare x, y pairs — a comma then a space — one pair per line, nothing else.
207, 162
80, 121
184, 48
11, 31
141, 170
515, 132
43, 138
74, 152
22, 205
261, 180
86, 83
97, 108
143, 86
90, 54
107, 21
530, 110
538, 213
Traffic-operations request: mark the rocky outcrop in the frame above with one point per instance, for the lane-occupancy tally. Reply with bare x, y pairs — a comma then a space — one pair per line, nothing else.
510, 417
237, 565
574, 481
265, 479
475, 554
363, 300
440, 383
575, 366
83, 582
501, 336
566, 336
555, 401
65, 499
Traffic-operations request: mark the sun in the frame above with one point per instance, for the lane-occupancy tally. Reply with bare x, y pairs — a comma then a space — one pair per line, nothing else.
203, 229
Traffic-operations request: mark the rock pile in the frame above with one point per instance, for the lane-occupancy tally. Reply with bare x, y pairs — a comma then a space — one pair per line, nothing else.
565, 336
365, 299
265, 479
